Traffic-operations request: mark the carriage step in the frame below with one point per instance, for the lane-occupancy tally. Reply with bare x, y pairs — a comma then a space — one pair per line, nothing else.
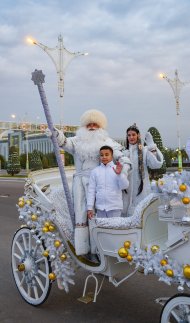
88, 298
161, 300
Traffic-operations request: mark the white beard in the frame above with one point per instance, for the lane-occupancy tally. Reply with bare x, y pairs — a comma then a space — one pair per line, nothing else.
88, 142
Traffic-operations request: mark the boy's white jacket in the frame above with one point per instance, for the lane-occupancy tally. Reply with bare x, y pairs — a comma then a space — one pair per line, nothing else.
105, 188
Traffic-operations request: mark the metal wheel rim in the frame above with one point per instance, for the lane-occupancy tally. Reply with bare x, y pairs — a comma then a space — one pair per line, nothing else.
33, 283
176, 309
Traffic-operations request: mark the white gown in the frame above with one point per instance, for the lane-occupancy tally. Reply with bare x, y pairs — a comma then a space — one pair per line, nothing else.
153, 160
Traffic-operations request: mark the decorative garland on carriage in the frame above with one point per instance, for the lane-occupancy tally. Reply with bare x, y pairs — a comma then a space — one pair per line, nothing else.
175, 190
41, 223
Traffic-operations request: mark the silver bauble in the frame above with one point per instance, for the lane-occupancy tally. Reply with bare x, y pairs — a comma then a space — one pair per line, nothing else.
52, 257
21, 217
38, 212
32, 231
150, 270
53, 235
180, 289
38, 242
29, 212
28, 223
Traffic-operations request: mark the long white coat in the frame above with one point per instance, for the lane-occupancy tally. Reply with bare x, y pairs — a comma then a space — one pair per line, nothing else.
153, 160
105, 188
84, 163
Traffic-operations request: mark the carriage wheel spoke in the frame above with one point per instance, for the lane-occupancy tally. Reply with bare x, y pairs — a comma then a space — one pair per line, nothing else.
24, 241
39, 260
39, 283
42, 273
16, 256
35, 292
22, 281
20, 247
29, 242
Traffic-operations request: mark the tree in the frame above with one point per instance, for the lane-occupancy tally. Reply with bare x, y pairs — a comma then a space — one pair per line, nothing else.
35, 161
13, 164
2, 162
157, 173
45, 162
68, 159
52, 162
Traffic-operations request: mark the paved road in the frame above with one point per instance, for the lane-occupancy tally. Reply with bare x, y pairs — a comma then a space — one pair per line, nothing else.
133, 302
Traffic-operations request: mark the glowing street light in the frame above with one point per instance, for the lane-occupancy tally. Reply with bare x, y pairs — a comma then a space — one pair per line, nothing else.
60, 56
176, 86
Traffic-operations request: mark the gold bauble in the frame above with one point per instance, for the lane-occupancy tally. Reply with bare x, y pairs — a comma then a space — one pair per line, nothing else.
163, 262
169, 273
51, 228
186, 271
155, 248
29, 202
46, 253
57, 243
161, 183
21, 203
21, 267
52, 276
182, 187
186, 200
127, 244
129, 257
34, 217
21, 199
47, 223
45, 229
122, 252
63, 257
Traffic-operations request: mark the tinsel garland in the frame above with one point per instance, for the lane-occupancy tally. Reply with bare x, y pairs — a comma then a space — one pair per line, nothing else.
153, 261
42, 224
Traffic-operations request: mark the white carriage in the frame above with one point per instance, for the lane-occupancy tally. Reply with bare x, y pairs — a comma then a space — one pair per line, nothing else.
155, 240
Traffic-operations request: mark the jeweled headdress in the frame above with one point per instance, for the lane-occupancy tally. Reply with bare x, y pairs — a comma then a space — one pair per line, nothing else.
133, 126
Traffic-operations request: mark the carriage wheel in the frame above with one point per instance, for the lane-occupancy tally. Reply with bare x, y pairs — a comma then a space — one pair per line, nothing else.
176, 309
30, 268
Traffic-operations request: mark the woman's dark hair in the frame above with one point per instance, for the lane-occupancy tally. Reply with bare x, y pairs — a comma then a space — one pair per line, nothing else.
140, 154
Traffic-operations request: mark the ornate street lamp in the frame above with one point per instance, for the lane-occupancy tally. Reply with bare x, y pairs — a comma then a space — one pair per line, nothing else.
60, 56
176, 86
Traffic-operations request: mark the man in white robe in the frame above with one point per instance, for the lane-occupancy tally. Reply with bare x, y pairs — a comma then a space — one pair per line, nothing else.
85, 148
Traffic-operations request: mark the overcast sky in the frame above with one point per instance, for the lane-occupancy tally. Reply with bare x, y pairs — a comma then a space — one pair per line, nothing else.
129, 43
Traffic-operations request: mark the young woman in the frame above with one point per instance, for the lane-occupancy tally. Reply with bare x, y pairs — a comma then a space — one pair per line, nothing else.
141, 158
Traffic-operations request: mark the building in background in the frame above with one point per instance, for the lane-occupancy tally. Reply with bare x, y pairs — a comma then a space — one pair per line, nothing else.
27, 137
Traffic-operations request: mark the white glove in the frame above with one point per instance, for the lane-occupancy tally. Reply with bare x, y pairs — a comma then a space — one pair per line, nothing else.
149, 141
61, 139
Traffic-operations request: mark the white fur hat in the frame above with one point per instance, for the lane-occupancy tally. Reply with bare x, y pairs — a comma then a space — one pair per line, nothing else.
94, 116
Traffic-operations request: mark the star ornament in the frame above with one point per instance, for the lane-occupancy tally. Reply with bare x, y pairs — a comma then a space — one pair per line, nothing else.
38, 77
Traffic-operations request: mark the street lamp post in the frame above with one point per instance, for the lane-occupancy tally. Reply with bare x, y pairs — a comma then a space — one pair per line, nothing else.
24, 127
61, 57
176, 86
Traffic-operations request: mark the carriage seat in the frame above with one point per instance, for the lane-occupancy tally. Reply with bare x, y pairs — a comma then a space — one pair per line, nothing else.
134, 221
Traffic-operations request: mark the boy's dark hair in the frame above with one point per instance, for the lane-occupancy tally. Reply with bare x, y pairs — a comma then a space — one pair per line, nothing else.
107, 147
